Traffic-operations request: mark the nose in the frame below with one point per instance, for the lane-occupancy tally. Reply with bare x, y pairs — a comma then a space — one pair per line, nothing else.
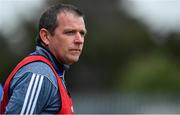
79, 39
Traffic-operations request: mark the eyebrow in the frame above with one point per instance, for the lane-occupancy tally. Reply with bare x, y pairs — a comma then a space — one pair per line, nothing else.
84, 30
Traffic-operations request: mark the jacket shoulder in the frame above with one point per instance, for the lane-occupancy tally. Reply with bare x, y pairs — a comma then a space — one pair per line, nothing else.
37, 68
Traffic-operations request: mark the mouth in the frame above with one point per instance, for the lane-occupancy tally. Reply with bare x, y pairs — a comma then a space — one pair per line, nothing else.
75, 51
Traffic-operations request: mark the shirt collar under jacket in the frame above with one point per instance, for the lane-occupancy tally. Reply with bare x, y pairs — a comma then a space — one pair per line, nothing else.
59, 67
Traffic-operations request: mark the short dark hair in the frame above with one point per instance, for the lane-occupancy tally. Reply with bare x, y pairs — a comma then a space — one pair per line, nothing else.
48, 19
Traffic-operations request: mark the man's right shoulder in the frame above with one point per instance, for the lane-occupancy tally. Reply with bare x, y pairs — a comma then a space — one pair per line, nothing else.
40, 68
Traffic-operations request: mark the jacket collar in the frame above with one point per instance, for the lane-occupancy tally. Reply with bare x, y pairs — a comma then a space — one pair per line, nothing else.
58, 65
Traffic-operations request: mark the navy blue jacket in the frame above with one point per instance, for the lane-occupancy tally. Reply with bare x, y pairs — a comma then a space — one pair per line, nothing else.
34, 87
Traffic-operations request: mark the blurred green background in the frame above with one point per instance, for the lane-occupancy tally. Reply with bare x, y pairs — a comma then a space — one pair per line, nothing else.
124, 66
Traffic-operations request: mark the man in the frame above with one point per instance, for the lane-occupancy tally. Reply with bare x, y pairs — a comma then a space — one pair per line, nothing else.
36, 85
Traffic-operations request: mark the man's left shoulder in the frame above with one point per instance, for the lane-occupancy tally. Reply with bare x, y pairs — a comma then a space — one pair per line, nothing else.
40, 68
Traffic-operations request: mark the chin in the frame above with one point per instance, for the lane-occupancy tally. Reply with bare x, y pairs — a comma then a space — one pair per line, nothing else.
75, 60
72, 60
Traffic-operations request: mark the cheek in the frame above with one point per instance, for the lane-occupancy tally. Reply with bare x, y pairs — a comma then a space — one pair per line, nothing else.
63, 44
63, 47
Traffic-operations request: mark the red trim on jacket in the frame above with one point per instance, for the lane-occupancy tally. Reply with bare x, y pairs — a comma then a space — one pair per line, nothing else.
66, 101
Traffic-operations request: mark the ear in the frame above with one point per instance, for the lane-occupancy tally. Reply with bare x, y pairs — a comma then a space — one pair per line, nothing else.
44, 35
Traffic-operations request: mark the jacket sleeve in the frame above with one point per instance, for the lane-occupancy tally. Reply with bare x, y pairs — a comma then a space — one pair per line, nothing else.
31, 93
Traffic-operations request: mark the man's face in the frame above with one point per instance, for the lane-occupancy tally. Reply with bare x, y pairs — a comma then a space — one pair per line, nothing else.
66, 43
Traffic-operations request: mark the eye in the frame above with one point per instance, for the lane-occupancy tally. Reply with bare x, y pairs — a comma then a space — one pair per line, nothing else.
70, 32
83, 33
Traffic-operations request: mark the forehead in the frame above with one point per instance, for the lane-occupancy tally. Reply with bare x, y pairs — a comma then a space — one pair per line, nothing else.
70, 19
